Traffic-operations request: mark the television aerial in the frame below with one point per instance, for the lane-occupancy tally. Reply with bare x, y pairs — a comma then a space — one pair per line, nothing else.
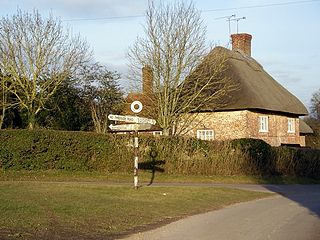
237, 20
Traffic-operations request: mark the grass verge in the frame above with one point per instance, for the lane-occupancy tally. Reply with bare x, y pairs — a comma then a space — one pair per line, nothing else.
145, 177
75, 210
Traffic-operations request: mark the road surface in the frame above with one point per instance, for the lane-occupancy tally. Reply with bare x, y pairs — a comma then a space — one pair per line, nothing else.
293, 214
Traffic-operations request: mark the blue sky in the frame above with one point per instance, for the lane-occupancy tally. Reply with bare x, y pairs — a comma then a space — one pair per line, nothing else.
285, 37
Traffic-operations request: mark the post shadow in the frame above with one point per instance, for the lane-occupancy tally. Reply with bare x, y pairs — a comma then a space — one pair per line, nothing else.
153, 165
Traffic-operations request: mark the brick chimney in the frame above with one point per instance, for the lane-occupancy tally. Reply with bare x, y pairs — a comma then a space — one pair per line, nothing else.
242, 42
147, 80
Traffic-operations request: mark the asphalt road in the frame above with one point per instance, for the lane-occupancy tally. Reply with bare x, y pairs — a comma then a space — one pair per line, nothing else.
293, 214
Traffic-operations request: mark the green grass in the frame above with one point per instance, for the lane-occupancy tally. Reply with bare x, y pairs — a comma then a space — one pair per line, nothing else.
145, 177
93, 210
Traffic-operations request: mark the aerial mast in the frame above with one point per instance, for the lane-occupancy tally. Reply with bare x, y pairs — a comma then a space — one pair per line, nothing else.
237, 20
229, 19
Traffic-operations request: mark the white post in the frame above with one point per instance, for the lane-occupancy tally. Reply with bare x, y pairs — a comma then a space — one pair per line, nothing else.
136, 160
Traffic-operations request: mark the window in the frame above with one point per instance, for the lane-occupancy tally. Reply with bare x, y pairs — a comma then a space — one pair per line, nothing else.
263, 125
291, 125
157, 133
205, 134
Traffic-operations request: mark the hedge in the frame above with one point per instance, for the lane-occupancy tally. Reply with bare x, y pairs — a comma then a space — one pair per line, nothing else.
44, 149
85, 151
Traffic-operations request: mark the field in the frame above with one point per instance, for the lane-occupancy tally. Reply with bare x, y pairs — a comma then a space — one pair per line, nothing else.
74, 209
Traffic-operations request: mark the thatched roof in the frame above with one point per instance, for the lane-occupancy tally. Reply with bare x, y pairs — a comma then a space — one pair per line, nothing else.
257, 89
304, 128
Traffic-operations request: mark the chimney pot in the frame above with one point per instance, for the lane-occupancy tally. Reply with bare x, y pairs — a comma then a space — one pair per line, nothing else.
242, 42
147, 80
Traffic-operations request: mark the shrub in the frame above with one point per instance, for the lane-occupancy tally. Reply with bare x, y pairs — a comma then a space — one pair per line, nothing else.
299, 162
193, 156
258, 154
43, 149
84, 151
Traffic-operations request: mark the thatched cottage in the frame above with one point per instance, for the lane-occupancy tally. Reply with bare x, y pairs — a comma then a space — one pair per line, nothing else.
259, 108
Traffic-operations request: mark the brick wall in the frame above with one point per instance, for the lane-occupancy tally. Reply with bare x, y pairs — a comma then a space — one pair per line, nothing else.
277, 130
245, 124
226, 125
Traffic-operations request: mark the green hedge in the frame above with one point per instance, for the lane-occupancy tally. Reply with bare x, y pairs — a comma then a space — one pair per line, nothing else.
258, 155
83, 151
43, 149
300, 162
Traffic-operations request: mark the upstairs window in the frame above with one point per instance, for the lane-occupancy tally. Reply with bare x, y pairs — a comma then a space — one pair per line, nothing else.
291, 125
263, 124
205, 134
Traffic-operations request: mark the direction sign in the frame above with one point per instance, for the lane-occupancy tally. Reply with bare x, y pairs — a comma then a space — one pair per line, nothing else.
131, 119
131, 127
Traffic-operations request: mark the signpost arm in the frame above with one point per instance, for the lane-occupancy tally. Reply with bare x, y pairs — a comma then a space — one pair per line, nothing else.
136, 159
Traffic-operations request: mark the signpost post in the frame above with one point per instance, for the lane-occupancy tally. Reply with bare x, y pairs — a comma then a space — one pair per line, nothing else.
136, 124
136, 159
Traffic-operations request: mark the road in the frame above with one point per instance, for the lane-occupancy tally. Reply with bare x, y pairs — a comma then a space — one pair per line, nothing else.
293, 214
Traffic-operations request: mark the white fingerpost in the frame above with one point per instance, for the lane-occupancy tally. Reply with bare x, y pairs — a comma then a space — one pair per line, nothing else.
136, 159
136, 107
131, 119
136, 124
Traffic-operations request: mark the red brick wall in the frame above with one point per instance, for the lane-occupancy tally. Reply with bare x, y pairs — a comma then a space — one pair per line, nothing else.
278, 129
242, 41
245, 124
226, 125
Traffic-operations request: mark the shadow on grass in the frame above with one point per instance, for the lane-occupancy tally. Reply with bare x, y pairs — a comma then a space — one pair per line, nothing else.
153, 165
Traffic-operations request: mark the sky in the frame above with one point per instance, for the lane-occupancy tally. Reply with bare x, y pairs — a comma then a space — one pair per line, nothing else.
286, 33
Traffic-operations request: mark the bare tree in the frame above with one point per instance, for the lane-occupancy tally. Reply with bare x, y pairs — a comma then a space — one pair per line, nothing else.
315, 105
38, 55
103, 94
173, 48
4, 98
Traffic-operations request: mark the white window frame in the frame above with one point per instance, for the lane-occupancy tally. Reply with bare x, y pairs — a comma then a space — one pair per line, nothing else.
205, 134
263, 124
157, 133
291, 125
